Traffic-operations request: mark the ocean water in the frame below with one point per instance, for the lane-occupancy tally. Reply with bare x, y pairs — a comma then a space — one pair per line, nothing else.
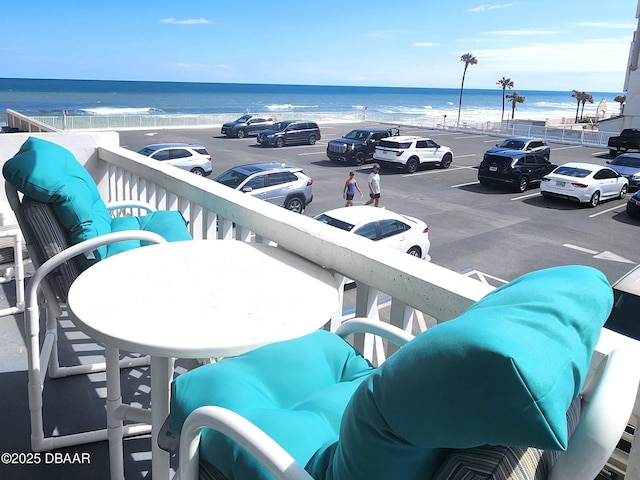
41, 97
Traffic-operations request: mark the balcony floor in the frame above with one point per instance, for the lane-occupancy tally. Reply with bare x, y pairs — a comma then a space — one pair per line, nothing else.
72, 404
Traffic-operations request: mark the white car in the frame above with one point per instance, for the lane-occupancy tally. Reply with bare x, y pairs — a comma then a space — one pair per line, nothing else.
187, 156
584, 183
410, 152
401, 232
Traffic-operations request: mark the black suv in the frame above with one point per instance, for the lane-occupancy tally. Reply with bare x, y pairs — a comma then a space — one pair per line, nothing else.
514, 167
247, 125
357, 146
290, 132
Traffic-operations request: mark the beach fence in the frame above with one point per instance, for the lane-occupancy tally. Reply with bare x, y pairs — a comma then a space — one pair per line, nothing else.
559, 133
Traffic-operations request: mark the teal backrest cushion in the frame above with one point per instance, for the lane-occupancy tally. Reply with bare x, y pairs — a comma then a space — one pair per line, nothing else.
502, 373
295, 391
49, 173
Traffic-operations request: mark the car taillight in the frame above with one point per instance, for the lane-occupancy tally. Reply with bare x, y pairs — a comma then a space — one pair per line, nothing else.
399, 152
579, 185
310, 182
545, 179
426, 230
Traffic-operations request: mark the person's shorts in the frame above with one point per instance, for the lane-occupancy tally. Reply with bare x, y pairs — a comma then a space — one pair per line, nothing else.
374, 195
349, 196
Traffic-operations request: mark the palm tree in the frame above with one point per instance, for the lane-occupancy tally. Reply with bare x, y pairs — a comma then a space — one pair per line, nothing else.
468, 59
621, 99
504, 83
515, 98
587, 97
578, 95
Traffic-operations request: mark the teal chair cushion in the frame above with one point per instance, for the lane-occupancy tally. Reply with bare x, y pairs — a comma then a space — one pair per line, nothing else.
49, 173
503, 373
295, 391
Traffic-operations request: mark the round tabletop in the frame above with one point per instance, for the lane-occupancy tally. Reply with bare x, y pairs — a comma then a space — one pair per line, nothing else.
201, 298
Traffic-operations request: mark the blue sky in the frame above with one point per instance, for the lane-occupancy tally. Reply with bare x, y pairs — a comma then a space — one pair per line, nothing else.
539, 44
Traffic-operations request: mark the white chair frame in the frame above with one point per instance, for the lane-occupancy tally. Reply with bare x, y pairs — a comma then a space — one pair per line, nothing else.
608, 400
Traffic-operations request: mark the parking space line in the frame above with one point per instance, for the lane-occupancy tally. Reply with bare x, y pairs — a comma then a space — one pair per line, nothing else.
536, 194
597, 154
320, 152
607, 210
465, 184
568, 147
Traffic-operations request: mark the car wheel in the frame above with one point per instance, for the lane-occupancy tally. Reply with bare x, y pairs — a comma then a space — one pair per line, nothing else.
523, 183
279, 142
359, 158
415, 252
241, 133
446, 161
595, 199
412, 165
198, 171
623, 191
295, 204
612, 152
312, 140
484, 182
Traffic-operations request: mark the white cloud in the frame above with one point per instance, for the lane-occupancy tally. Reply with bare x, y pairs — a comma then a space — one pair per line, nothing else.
629, 26
485, 7
516, 33
425, 44
191, 21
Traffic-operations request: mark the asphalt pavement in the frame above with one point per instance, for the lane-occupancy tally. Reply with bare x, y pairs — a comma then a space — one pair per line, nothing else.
493, 234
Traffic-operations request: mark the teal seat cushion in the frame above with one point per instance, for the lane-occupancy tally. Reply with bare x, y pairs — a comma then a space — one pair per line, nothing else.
49, 173
169, 224
295, 391
502, 373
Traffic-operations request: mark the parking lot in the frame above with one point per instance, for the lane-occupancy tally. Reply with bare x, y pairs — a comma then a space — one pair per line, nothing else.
491, 233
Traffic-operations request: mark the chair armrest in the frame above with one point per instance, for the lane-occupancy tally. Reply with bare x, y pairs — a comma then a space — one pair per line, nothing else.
604, 420
376, 327
121, 204
260, 445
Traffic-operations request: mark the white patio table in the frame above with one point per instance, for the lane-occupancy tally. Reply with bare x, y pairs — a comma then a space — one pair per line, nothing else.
193, 299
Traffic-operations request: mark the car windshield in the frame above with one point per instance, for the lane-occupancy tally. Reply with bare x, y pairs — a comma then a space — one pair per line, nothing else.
624, 161
394, 144
512, 144
146, 151
243, 119
334, 222
231, 178
357, 135
572, 172
623, 317
280, 126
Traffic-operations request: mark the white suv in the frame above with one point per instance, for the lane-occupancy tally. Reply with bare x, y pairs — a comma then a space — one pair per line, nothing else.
410, 152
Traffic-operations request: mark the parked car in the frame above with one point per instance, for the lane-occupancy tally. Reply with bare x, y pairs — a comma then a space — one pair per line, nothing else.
187, 156
290, 132
627, 165
410, 152
358, 146
633, 205
525, 144
624, 317
629, 139
247, 125
584, 183
401, 232
277, 183
514, 167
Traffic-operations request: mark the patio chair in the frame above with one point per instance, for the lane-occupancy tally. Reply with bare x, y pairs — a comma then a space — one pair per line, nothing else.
67, 228
495, 393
